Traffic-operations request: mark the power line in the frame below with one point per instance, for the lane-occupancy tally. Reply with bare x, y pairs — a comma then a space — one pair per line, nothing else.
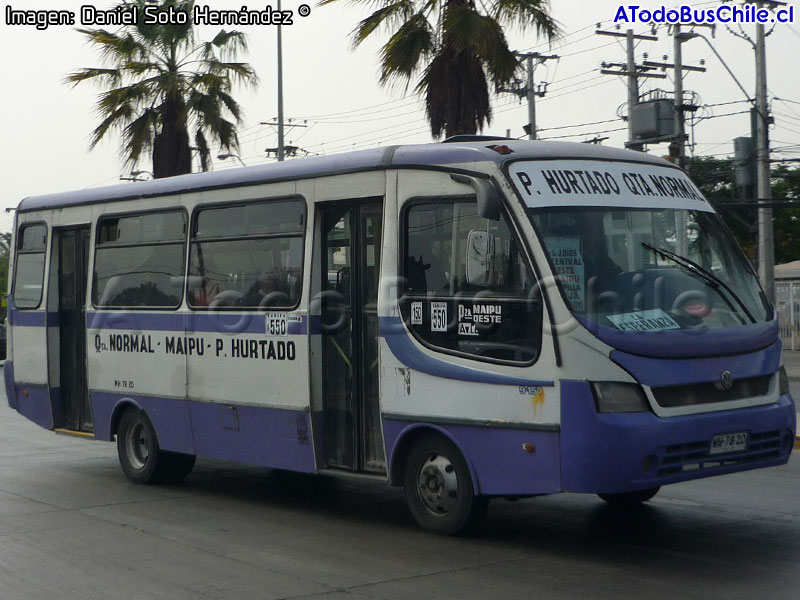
558, 137
579, 125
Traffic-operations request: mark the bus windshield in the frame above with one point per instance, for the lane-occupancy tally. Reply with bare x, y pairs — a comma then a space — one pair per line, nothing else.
656, 269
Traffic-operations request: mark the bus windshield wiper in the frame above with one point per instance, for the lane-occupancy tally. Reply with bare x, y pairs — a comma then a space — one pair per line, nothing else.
704, 274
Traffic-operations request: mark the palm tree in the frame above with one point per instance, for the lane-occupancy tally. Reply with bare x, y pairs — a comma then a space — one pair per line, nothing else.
459, 47
161, 84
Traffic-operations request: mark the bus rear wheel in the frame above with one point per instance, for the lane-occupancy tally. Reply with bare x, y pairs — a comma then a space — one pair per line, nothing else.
629, 499
141, 458
438, 488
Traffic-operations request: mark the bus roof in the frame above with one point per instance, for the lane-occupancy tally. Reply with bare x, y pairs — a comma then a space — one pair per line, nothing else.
420, 155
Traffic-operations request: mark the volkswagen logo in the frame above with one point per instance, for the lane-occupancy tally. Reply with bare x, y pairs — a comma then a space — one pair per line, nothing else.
726, 380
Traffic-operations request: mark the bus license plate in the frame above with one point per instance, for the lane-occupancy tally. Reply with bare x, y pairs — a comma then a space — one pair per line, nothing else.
728, 442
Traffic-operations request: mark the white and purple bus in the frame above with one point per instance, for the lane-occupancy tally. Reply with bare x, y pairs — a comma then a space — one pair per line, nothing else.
473, 319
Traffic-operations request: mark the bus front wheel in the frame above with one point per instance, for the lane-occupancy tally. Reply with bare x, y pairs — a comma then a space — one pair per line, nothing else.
439, 489
142, 460
629, 499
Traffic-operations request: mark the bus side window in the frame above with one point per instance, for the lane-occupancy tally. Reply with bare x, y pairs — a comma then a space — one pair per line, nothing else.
247, 256
139, 260
28, 281
494, 316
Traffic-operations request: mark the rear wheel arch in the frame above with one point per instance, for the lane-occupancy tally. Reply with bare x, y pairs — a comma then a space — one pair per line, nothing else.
117, 413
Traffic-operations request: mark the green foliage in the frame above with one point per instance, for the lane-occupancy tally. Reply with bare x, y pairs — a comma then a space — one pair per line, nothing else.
456, 49
786, 184
160, 83
715, 178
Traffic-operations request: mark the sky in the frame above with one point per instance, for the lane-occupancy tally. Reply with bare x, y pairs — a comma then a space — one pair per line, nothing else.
332, 90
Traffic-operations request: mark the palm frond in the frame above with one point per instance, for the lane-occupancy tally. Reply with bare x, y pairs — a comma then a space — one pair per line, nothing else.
388, 15
242, 73
99, 75
412, 44
116, 118
456, 93
138, 135
114, 48
137, 67
467, 30
526, 14
230, 43
202, 149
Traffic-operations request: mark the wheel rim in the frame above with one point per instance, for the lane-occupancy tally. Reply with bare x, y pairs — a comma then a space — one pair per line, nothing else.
437, 485
138, 443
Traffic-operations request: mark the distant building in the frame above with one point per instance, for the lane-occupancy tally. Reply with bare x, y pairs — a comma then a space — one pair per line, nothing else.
788, 271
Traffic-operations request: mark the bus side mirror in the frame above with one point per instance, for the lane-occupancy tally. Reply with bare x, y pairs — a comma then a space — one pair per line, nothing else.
480, 258
486, 194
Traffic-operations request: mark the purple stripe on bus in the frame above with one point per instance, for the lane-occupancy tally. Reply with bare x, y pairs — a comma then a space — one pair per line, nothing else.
33, 318
407, 352
216, 322
263, 436
496, 456
661, 372
621, 452
686, 343
33, 403
8, 379
170, 417
135, 321
315, 324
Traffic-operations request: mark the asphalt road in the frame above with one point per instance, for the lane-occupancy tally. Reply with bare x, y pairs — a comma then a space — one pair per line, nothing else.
71, 527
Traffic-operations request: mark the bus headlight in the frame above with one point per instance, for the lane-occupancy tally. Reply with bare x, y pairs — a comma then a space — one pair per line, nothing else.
783, 381
614, 397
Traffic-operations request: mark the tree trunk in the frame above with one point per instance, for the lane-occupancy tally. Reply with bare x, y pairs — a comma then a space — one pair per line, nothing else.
171, 152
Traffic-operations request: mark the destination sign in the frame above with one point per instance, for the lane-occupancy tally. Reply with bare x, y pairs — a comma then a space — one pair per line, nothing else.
548, 183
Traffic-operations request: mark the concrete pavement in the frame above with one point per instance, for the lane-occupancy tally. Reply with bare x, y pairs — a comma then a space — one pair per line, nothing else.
791, 362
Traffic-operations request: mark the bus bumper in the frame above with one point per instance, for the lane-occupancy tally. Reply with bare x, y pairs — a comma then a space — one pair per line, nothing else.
622, 452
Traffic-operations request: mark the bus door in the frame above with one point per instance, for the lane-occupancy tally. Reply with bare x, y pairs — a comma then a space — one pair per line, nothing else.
351, 242
73, 267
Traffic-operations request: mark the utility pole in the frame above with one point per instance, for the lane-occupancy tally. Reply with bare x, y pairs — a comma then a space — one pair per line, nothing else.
633, 72
280, 91
529, 90
680, 130
766, 247
678, 146
678, 143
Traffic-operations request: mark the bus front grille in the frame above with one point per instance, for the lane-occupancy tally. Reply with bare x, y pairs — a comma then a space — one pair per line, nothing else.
708, 393
693, 456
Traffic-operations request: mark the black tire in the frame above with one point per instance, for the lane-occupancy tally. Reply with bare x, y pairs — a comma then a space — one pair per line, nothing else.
141, 457
439, 489
629, 499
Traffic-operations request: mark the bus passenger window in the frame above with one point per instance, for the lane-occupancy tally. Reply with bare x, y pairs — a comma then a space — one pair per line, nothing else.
247, 256
139, 260
31, 244
467, 288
